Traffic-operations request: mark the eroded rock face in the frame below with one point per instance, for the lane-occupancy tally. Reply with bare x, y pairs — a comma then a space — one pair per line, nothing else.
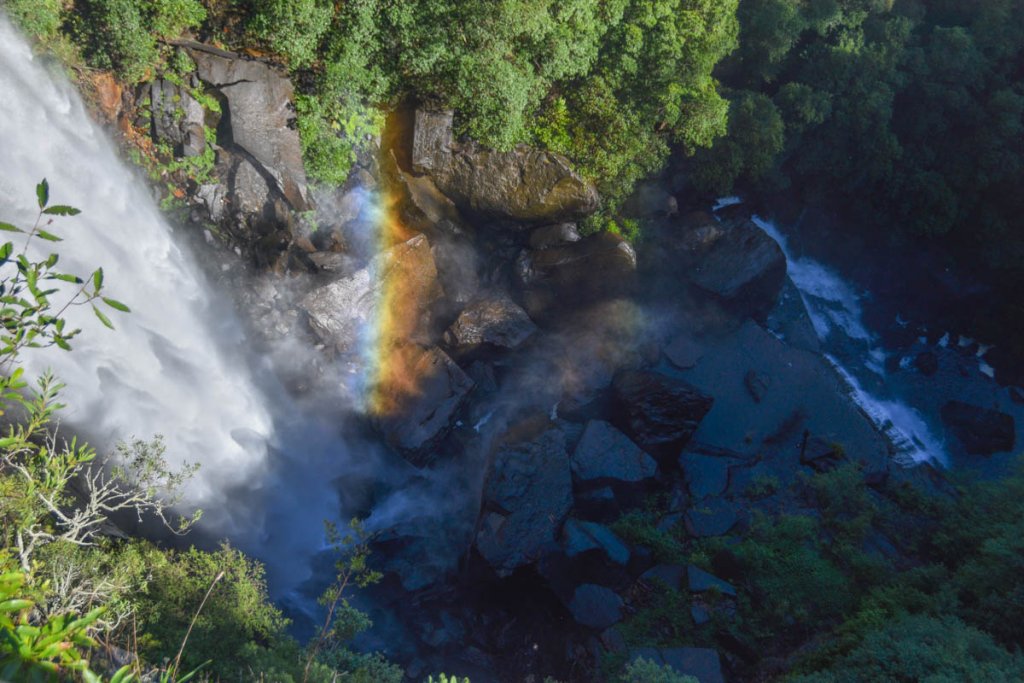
597, 267
177, 117
496, 321
260, 113
526, 499
414, 420
523, 184
980, 430
339, 311
660, 413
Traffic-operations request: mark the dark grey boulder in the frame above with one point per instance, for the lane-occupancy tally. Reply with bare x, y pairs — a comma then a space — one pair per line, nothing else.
596, 267
660, 413
596, 606
523, 184
713, 517
604, 454
670, 575
260, 112
554, 235
740, 264
981, 431
650, 199
683, 352
414, 421
495, 321
526, 498
705, 475
579, 537
700, 581
339, 311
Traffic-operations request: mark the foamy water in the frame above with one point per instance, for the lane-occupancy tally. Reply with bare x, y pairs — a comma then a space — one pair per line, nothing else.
835, 311
172, 366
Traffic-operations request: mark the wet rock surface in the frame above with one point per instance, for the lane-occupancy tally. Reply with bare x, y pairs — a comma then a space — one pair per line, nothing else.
523, 184
495, 321
527, 496
659, 412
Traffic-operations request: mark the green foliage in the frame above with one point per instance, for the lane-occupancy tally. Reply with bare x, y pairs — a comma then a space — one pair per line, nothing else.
331, 135
122, 34
40, 19
237, 611
642, 670
921, 648
292, 28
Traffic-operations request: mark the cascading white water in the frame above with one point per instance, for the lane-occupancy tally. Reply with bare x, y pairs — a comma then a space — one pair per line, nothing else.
834, 308
172, 366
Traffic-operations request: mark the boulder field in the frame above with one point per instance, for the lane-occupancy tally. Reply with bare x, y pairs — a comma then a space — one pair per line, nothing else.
556, 380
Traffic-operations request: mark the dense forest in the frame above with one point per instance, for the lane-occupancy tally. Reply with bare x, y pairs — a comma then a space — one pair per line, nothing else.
905, 115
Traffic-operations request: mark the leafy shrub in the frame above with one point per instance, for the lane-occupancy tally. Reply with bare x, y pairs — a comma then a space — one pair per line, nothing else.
292, 28
642, 670
40, 19
121, 34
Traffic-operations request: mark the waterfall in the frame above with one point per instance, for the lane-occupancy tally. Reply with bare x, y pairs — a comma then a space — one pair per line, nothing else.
835, 311
172, 366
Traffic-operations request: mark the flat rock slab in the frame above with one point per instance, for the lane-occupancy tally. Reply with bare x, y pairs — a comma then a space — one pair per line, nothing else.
604, 454
683, 352
526, 498
596, 606
671, 575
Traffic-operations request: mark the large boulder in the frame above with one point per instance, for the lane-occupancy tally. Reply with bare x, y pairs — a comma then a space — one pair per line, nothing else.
980, 430
523, 184
413, 419
596, 606
526, 498
660, 413
340, 311
260, 116
496, 321
745, 267
604, 455
596, 267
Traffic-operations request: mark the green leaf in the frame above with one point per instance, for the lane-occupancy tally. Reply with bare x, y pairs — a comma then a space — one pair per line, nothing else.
43, 193
7, 227
64, 277
103, 319
59, 341
15, 605
97, 279
61, 210
48, 236
116, 305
